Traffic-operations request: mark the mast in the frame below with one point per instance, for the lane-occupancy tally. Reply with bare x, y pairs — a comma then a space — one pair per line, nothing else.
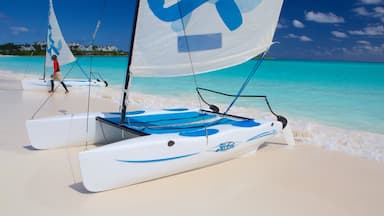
46, 45
45, 67
128, 76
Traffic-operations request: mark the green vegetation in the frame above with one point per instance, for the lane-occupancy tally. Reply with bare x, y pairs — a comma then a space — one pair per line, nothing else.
38, 49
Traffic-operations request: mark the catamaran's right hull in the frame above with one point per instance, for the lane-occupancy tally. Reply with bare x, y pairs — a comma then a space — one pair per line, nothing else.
39, 84
171, 142
154, 156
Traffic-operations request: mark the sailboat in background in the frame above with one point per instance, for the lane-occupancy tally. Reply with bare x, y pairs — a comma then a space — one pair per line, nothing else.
186, 38
56, 45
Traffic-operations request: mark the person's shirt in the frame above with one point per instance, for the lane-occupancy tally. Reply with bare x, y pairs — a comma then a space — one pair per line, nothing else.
56, 66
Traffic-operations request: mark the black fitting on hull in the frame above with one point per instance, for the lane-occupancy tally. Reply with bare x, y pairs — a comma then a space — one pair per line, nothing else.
283, 120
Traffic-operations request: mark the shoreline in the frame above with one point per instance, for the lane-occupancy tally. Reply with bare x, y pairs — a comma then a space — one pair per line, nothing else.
354, 142
269, 59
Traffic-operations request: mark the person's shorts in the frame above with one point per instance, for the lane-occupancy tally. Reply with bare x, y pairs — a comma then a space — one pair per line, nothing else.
57, 76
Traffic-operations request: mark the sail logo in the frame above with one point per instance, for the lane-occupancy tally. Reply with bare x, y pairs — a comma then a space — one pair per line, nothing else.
230, 12
52, 48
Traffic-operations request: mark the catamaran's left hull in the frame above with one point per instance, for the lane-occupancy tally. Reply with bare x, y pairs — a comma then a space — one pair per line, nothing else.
62, 131
71, 130
40, 84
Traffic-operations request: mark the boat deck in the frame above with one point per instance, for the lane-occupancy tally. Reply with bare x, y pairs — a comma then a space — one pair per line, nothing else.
185, 123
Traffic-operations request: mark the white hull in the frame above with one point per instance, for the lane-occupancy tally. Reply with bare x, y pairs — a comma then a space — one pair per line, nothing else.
40, 84
128, 159
62, 131
145, 158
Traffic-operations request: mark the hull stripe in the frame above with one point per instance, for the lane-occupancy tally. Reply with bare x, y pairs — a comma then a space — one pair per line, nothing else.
157, 160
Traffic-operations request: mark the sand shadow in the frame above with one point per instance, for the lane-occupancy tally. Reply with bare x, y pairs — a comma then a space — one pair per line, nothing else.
79, 187
271, 143
31, 148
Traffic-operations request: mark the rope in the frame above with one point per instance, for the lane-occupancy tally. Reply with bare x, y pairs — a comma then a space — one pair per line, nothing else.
49, 96
191, 63
68, 153
98, 23
189, 53
251, 74
83, 71
28, 65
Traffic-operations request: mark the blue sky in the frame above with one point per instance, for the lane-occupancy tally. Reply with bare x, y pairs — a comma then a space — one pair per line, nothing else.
351, 30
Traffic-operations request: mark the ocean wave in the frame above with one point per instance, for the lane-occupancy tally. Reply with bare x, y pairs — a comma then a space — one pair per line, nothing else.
355, 142
359, 143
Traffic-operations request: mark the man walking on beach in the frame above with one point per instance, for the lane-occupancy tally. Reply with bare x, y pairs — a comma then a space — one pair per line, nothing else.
56, 75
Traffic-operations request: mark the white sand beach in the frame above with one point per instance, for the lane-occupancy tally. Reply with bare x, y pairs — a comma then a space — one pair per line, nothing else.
276, 180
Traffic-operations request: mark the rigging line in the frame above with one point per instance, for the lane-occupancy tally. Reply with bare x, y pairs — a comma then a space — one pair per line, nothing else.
83, 71
68, 153
45, 67
70, 70
251, 74
49, 96
46, 48
98, 23
189, 53
28, 66
191, 63
90, 71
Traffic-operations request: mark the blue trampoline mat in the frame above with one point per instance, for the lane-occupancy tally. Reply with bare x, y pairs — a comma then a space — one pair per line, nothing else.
177, 122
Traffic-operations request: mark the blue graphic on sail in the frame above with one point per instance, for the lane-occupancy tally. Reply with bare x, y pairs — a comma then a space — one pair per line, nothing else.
55, 41
227, 9
230, 12
51, 47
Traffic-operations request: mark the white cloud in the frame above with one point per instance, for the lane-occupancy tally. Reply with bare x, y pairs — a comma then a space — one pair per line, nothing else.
297, 24
281, 26
376, 12
371, 1
305, 38
364, 51
339, 34
379, 10
369, 31
361, 51
291, 36
363, 42
18, 29
323, 17
363, 48
300, 37
362, 11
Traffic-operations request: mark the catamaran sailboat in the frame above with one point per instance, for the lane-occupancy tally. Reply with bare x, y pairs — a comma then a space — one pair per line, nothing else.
56, 45
186, 38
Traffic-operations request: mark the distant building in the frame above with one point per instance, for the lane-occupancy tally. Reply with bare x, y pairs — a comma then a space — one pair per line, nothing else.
38, 48
27, 48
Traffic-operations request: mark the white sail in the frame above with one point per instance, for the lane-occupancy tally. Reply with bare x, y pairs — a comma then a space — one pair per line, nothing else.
170, 34
56, 44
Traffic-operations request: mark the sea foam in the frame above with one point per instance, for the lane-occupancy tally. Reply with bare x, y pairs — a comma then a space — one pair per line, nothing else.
355, 142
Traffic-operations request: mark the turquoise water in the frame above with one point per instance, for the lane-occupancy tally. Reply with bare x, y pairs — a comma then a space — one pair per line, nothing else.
343, 94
